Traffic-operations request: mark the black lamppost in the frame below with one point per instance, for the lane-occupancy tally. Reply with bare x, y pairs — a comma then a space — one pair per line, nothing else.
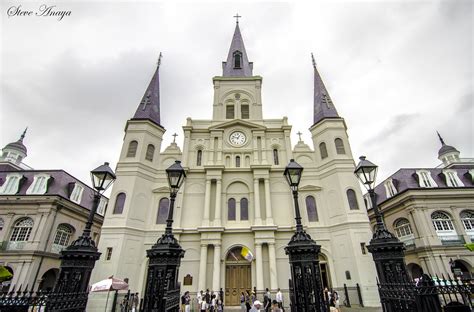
78, 259
386, 249
306, 291
162, 287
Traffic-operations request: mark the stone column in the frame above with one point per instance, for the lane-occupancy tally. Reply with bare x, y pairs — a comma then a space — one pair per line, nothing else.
273, 267
211, 152
207, 203
255, 150
268, 203
202, 268
258, 219
217, 215
259, 268
216, 276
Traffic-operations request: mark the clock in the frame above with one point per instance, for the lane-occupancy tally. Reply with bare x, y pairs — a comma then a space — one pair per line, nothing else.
237, 138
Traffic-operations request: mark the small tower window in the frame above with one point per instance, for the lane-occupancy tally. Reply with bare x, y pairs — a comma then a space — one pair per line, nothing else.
352, 199
245, 111
150, 151
237, 60
311, 209
339, 146
199, 158
163, 209
323, 150
229, 111
132, 149
119, 203
231, 209
237, 161
275, 157
244, 209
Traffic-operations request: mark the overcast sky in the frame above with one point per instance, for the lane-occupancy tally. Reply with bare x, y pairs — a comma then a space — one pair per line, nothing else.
396, 71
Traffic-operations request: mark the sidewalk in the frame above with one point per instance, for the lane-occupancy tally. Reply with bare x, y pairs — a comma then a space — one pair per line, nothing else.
344, 309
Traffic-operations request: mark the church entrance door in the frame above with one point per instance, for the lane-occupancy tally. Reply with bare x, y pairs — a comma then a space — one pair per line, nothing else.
238, 276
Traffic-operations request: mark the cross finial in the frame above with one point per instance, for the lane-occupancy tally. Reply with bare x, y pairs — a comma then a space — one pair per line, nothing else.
314, 62
440, 138
237, 16
299, 134
23, 134
159, 60
174, 137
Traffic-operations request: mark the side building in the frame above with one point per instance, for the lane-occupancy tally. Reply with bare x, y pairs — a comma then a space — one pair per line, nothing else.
432, 211
41, 212
235, 196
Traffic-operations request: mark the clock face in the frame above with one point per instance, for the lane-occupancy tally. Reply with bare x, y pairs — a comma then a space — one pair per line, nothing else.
237, 138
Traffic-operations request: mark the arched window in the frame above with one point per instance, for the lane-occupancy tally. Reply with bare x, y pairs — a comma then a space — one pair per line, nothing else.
150, 151
352, 199
467, 219
442, 223
323, 150
339, 146
199, 158
229, 111
63, 235
22, 230
132, 149
275, 157
311, 209
163, 209
237, 161
237, 60
402, 227
119, 203
244, 209
244, 110
231, 209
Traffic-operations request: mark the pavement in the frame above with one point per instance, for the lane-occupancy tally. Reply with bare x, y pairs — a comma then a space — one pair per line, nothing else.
343, 309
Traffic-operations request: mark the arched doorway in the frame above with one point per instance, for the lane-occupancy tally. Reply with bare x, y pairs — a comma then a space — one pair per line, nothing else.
49, 279
238, 276
460, 269
324, 269
414, 270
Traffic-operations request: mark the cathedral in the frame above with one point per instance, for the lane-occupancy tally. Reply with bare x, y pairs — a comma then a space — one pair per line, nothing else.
234, 213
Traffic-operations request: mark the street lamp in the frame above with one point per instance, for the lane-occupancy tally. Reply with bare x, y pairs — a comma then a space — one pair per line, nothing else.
162, 289
386, 249
78, 259
306, 291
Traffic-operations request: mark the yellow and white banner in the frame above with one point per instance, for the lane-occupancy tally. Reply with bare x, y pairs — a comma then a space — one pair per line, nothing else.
246, 254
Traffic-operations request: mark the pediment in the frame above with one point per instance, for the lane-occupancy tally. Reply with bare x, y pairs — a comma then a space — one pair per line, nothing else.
310, 187
237, 122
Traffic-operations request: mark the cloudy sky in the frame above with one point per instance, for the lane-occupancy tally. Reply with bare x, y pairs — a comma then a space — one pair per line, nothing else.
397, 71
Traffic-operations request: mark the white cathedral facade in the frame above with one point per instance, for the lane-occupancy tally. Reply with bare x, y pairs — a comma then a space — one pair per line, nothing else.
235, 194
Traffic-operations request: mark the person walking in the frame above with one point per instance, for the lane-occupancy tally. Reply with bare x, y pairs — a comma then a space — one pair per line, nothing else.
279, 299
267, 300
275, 307
243, 308
248, 305
256, 306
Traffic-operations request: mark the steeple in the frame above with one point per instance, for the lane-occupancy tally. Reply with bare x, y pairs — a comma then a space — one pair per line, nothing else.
323, 106
149, 108
446, 150
237, 64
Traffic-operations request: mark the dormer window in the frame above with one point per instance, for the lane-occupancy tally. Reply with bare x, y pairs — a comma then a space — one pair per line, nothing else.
39, 185
425, 179
12, 184
390, 188
237, 60
76, 194
102, 204
452, 178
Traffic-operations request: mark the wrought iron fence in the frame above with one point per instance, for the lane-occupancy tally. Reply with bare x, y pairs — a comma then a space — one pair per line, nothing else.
29, 300
429, 294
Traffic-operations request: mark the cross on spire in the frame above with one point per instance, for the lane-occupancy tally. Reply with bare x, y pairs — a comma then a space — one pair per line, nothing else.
159, 60
299, 134
174, 137
440, 138
314, 62
23, 134
237, 16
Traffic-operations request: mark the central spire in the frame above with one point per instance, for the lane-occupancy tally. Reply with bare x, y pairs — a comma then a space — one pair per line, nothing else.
237, 64
323, 105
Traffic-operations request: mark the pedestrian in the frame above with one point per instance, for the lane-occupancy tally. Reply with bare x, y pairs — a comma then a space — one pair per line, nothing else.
219, 305
256, 306
275, 307
187, 302
253, 297
267, 300
336, 300
279, 299
208, 299
183, 300
242, 302
203, 305
248, 305
135, 302
213, 303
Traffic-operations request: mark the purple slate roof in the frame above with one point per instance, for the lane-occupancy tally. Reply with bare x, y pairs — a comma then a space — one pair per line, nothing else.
60, 184
149, 107
246, 67
406, 179
323, 106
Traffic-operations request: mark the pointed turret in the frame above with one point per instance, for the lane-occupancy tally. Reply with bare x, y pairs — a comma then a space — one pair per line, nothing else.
149, 108
323, 106
15, 152
237, 64
447, 153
